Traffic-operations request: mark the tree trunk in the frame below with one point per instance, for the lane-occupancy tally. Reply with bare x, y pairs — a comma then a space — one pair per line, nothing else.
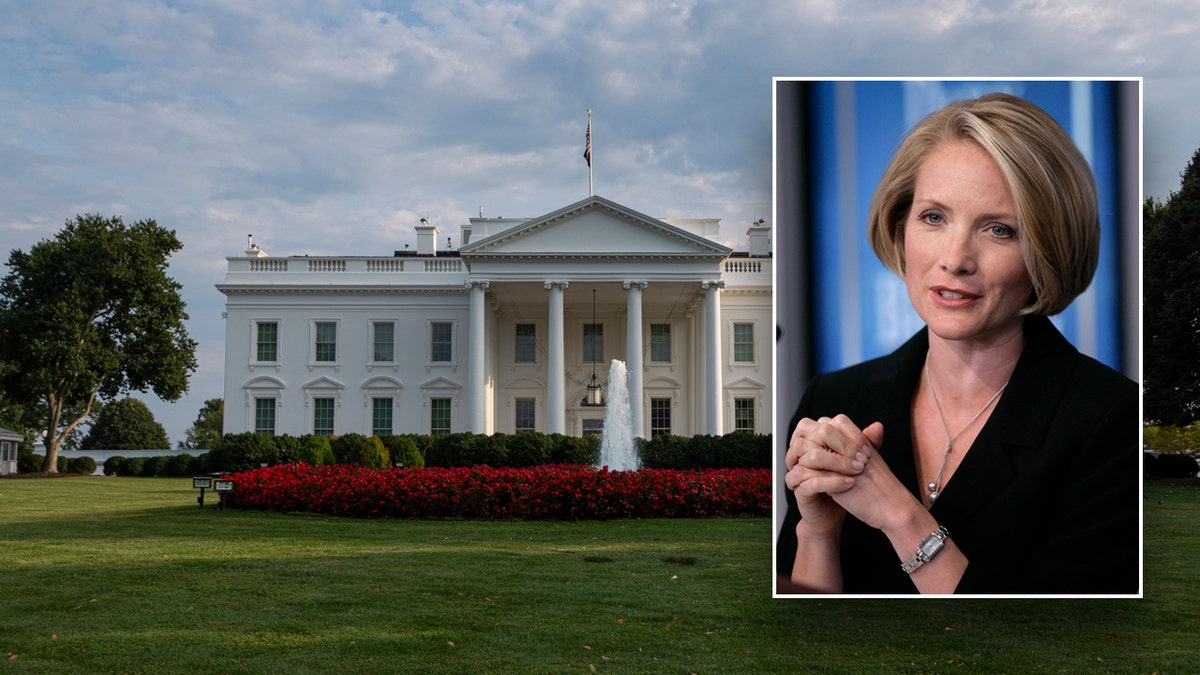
52, 446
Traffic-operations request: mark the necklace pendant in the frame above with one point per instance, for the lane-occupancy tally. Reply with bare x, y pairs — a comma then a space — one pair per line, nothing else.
933, 496
932, 487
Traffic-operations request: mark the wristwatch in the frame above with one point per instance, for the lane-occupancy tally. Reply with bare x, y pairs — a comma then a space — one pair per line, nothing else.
925, 552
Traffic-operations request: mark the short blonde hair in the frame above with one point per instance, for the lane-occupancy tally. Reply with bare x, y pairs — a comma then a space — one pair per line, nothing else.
1052, 187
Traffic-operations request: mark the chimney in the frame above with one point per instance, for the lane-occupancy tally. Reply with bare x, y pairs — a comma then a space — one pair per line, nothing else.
252, 249
427, 235
760, 239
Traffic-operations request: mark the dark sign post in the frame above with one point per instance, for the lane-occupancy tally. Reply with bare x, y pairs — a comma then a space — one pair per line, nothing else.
203, 483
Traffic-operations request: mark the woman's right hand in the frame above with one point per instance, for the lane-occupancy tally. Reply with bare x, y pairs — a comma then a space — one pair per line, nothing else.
822, 459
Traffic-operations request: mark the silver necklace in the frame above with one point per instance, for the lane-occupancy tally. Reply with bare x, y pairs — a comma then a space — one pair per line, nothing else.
936, 485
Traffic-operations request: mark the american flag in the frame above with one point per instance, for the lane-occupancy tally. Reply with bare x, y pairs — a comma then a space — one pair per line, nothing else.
587, 151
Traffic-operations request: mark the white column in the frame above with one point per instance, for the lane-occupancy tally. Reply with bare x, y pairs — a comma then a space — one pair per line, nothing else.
633, 352
476, 357
556, 404
712, 356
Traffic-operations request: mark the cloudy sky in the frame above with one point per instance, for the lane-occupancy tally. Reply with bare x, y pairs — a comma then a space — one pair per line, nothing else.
332, 127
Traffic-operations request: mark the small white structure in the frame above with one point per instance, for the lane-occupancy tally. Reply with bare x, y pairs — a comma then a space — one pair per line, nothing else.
10, 441
502, 335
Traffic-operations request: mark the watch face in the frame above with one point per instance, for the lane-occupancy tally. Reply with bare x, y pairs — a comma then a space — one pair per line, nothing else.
930, 546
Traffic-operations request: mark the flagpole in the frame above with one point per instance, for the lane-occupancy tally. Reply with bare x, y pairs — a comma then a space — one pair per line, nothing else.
588, 154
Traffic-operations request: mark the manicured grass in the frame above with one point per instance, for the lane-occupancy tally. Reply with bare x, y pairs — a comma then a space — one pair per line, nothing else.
129, 575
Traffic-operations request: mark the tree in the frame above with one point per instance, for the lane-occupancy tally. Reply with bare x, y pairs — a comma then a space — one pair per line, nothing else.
207, 429
92, 313
1171, 315
126, 424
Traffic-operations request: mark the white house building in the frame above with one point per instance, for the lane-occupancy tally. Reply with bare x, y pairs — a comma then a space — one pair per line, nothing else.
505, 334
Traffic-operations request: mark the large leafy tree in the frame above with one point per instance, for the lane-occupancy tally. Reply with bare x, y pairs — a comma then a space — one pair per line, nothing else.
126, 424
92, 313
1171, 315
208, 427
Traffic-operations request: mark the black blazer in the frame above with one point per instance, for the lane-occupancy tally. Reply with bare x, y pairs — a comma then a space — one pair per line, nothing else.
1046, 500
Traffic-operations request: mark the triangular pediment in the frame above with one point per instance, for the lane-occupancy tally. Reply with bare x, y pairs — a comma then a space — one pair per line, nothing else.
595, 228
324, 383
745, 383
441, 383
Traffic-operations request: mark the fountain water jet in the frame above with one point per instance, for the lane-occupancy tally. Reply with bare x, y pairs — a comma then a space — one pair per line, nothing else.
616, 441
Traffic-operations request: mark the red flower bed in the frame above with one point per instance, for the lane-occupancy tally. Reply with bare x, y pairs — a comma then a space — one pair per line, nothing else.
559, 492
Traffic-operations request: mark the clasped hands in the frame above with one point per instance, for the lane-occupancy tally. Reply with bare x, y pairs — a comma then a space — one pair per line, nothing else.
834, 468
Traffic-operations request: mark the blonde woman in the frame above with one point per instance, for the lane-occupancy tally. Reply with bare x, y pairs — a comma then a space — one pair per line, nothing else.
986, 455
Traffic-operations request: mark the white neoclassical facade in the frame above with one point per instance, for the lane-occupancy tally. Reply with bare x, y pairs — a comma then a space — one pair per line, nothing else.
505, 334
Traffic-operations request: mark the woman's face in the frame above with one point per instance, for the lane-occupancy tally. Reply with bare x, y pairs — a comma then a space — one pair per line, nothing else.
963, 265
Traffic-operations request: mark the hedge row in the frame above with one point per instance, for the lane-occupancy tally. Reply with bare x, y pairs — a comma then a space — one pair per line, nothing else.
28, 462
738, 450
241, 452
174, 466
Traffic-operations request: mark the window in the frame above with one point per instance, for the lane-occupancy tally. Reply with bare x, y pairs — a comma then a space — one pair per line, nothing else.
743, 414
264, 416
439, 416
593, 343
322, 416
526, 415
593, 427
7, 453
266, 348
526, 350
743, 343
381, 416
326, 342
660, 343
441, 343
383, 341
660, 416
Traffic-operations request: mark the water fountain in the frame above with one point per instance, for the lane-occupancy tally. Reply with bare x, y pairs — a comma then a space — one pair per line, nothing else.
617, 450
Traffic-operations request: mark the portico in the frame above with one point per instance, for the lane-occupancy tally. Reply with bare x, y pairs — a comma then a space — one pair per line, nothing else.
639, 272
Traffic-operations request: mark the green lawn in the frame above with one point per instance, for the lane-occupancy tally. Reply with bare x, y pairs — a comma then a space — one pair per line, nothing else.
128, 575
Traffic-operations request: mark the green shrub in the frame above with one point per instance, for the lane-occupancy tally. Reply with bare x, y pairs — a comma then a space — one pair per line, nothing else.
404, 452
288, 448
181, 465
704, 452
63, 464
490, 450
132, 466
451, 450
241, 452
372, 454
114, 466
315, 450
424, 444
1169, 466
203, 463
664, 451
82, 465
743, 450
347, 448
154, 466
30, 462
528, 449
574, 450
